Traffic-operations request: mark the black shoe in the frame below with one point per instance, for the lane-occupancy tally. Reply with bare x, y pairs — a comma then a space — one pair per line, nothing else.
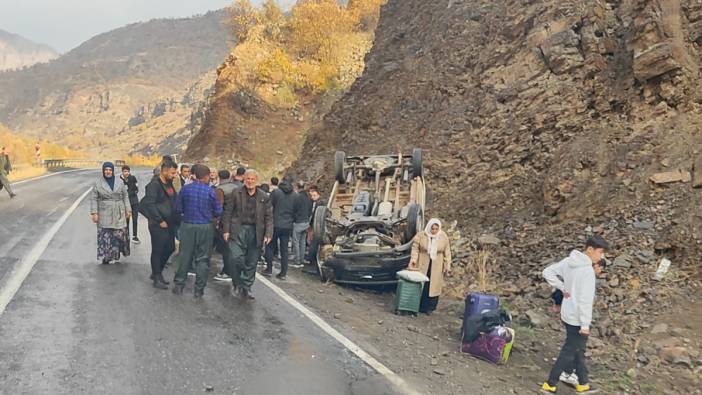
281, 277
12, 195
136, 240
267, 272
247, 294
105, 262
199, 293
163, 280
159, 285
177, 289
235, 291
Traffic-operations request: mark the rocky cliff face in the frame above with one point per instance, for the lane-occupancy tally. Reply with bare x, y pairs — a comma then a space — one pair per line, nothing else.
133, 90
17, 52
541, 122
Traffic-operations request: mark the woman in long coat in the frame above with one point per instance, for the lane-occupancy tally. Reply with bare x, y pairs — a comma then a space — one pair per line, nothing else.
431, 255
110, 209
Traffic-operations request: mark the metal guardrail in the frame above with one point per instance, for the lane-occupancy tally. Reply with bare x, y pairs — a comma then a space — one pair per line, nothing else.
77, 163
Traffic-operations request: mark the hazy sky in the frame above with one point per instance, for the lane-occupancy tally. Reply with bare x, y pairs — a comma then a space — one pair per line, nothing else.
65, 24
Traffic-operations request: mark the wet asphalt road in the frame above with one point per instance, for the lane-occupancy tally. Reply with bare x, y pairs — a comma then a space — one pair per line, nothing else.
76, 327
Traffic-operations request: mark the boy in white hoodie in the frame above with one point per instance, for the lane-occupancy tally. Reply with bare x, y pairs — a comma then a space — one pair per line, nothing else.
578, 272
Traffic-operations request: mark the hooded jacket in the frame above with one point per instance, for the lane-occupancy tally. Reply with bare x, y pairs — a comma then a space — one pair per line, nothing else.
303, 208
283, 201
575, 276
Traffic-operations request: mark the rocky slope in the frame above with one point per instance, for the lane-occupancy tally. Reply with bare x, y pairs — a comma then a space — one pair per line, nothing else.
541, 122
17, 52
105, 94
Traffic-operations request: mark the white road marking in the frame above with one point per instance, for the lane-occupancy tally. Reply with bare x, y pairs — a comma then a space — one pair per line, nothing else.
48, 175
396, 380
22, 270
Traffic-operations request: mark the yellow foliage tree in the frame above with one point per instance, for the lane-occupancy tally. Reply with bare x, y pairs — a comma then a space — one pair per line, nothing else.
366, 12
242, 17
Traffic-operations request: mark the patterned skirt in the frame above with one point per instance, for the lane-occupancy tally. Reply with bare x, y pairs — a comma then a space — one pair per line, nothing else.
111, 243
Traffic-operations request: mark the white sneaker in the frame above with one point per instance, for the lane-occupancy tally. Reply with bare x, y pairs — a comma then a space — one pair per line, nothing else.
570, 379
222, 277
296, 265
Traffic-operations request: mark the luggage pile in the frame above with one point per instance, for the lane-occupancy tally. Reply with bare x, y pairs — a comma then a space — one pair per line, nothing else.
485, 335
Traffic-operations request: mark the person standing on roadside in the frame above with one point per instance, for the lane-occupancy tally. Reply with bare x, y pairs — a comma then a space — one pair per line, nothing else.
283, 201
274, 184
200, 208
317, 201
110, 210
575, 277
214, 178
133, 190
224, 193
431, 255
239, 177
5, 169
302, 216
159, 207
248, 227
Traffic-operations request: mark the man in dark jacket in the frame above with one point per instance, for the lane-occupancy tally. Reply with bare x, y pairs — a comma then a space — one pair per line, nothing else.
303, 215
224, 193
159, 207
5, 169
283, 201
133, 190
248, 227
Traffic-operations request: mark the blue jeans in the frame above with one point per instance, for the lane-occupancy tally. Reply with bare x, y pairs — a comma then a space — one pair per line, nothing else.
299, 238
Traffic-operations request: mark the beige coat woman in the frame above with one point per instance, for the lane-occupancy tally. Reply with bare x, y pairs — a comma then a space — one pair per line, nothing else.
421, 256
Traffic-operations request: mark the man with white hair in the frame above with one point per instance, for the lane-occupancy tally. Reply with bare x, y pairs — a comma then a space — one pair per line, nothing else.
247, 225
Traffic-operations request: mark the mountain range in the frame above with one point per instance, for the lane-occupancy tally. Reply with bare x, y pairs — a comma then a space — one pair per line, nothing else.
17, 52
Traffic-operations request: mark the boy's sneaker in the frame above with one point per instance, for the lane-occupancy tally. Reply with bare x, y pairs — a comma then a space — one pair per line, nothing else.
296, 265
570, 379
585, 389
547, 389
222, 277
136, 240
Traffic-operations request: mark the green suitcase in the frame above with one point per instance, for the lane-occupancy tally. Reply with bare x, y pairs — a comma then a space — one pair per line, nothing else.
408, 296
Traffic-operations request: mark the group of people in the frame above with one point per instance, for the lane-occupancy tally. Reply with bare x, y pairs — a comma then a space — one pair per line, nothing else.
202, 210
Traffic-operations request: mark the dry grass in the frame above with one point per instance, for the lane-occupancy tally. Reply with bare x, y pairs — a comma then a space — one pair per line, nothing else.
482, 264
24, 172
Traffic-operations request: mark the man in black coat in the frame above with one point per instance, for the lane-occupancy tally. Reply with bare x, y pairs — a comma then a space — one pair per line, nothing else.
133, 190
283, 201
159, 206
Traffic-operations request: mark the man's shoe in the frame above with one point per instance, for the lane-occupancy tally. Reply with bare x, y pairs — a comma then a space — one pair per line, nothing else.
199, 293
585, 389
12, 195
547, 389
177, 289
570, 379
247, 294
296, 265
234, 291
281, 277
161, 279
136, 240
222, 277
267, 272
159, 285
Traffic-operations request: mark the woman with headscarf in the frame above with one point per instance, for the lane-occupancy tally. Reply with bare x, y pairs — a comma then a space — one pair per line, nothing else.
110, 209
431, 255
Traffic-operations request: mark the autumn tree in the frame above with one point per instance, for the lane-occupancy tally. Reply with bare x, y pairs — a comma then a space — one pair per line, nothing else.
242, 16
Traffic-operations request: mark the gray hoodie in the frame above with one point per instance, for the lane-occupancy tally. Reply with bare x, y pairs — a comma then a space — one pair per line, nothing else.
578, 280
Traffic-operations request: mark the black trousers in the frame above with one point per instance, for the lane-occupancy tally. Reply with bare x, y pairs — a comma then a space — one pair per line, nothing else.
428, 303
282, 236
162, 246
222, 247
572, 355
135, 218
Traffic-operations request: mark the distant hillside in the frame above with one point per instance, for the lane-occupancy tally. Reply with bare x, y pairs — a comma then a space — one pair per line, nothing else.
103, 95
17, 52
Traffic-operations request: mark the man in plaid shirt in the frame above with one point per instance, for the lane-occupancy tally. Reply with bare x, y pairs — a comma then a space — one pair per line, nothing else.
199, 206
